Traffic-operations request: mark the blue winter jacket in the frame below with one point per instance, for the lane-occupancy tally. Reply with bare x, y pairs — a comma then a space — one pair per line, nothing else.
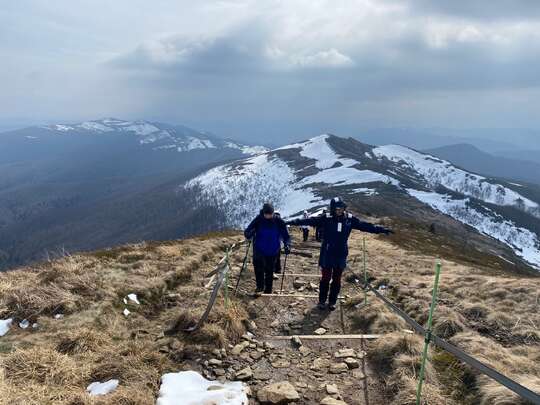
267, 233
336, 231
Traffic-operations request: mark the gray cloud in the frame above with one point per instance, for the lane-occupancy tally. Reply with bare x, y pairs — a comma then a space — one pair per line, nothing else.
255, 69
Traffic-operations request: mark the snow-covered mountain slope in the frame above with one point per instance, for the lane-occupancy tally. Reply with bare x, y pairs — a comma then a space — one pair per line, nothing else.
157, 135
306, 175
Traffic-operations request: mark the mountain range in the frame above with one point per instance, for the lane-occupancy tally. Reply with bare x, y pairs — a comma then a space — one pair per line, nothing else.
386, 181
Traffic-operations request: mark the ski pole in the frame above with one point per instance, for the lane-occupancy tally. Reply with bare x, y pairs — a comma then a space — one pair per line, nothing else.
283, 275
244, 263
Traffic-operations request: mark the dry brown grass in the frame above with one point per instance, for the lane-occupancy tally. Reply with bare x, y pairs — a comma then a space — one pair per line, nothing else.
495, 318
94, 341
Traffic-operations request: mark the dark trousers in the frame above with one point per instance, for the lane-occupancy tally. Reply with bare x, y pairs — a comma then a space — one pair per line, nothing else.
331, 274
264, 270
305, 233
277, 267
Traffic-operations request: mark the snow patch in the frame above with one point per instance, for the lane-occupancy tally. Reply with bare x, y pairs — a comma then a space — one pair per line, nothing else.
437, 172
25, 323
190, 388
133, 297
5, 325
524, 242
99, 388
95, 126
126, 312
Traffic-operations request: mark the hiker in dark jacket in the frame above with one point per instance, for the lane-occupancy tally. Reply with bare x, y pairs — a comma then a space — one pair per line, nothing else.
336, 227
267, 231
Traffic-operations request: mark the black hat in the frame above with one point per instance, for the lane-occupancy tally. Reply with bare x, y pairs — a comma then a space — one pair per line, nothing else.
337, 202
268, 208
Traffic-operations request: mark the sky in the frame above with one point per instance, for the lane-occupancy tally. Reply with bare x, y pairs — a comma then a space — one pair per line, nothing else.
255, 69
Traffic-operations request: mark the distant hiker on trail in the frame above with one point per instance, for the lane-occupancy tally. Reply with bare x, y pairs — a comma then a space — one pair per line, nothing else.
336, 227
268, 230
305, 228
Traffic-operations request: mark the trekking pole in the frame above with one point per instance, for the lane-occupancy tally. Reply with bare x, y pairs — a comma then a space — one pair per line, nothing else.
226, 290
283, 275
244, 264
428, 332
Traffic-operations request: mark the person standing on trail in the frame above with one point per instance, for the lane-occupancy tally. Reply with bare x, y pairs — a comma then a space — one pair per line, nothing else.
305, 228
268, 230
336, 227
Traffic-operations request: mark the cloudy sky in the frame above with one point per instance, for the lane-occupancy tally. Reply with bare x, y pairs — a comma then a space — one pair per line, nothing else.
259, 68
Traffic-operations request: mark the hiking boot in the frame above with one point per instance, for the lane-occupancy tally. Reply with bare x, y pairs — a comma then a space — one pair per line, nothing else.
332, 307
275, 276
321, 306
258, 293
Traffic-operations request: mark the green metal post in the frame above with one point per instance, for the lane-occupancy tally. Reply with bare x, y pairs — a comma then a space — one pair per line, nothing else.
365, 271
428, 332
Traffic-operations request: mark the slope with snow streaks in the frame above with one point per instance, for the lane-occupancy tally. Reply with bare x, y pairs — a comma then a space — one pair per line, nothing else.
524, 242
437, 172
239, 189
159, 136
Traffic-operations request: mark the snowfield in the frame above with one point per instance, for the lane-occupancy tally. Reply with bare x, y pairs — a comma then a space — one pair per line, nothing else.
437, 172
239, 189
524, 242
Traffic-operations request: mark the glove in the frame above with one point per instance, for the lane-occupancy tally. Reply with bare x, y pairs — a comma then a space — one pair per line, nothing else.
249, 235
286, 249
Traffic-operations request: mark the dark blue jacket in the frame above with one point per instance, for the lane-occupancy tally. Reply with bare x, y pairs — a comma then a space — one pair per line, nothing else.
336, 231
267, 233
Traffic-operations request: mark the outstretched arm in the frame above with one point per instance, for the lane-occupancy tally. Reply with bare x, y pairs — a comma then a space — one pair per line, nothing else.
284, 233
369, 227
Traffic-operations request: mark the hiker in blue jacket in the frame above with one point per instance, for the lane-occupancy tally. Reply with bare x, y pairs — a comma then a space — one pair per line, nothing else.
336, 226
268, 230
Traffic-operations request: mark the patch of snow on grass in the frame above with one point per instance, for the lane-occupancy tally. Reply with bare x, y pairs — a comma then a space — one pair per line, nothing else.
133, 297
25, 323
95, 126
5, 325
99, 388
524, 242
190, 388
141, 128
348, 176
318, 149
126, 312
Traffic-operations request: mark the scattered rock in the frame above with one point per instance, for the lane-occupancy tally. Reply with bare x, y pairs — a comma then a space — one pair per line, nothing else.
351, 363
275, 323
320, 364
256, 355
297, 283
251, 326
278, 393
338, 368
342, 353
296, 341
304, 350
244, 374
332, 389
320, 331
215, 362
358, 374
332, 401
281, 363
239, 348
219, 372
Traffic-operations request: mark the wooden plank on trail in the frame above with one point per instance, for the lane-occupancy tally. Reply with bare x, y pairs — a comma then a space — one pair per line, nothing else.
300, 275
314, 337
294, 296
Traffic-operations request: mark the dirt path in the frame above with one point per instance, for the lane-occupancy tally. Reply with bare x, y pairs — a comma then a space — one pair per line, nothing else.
318, 369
